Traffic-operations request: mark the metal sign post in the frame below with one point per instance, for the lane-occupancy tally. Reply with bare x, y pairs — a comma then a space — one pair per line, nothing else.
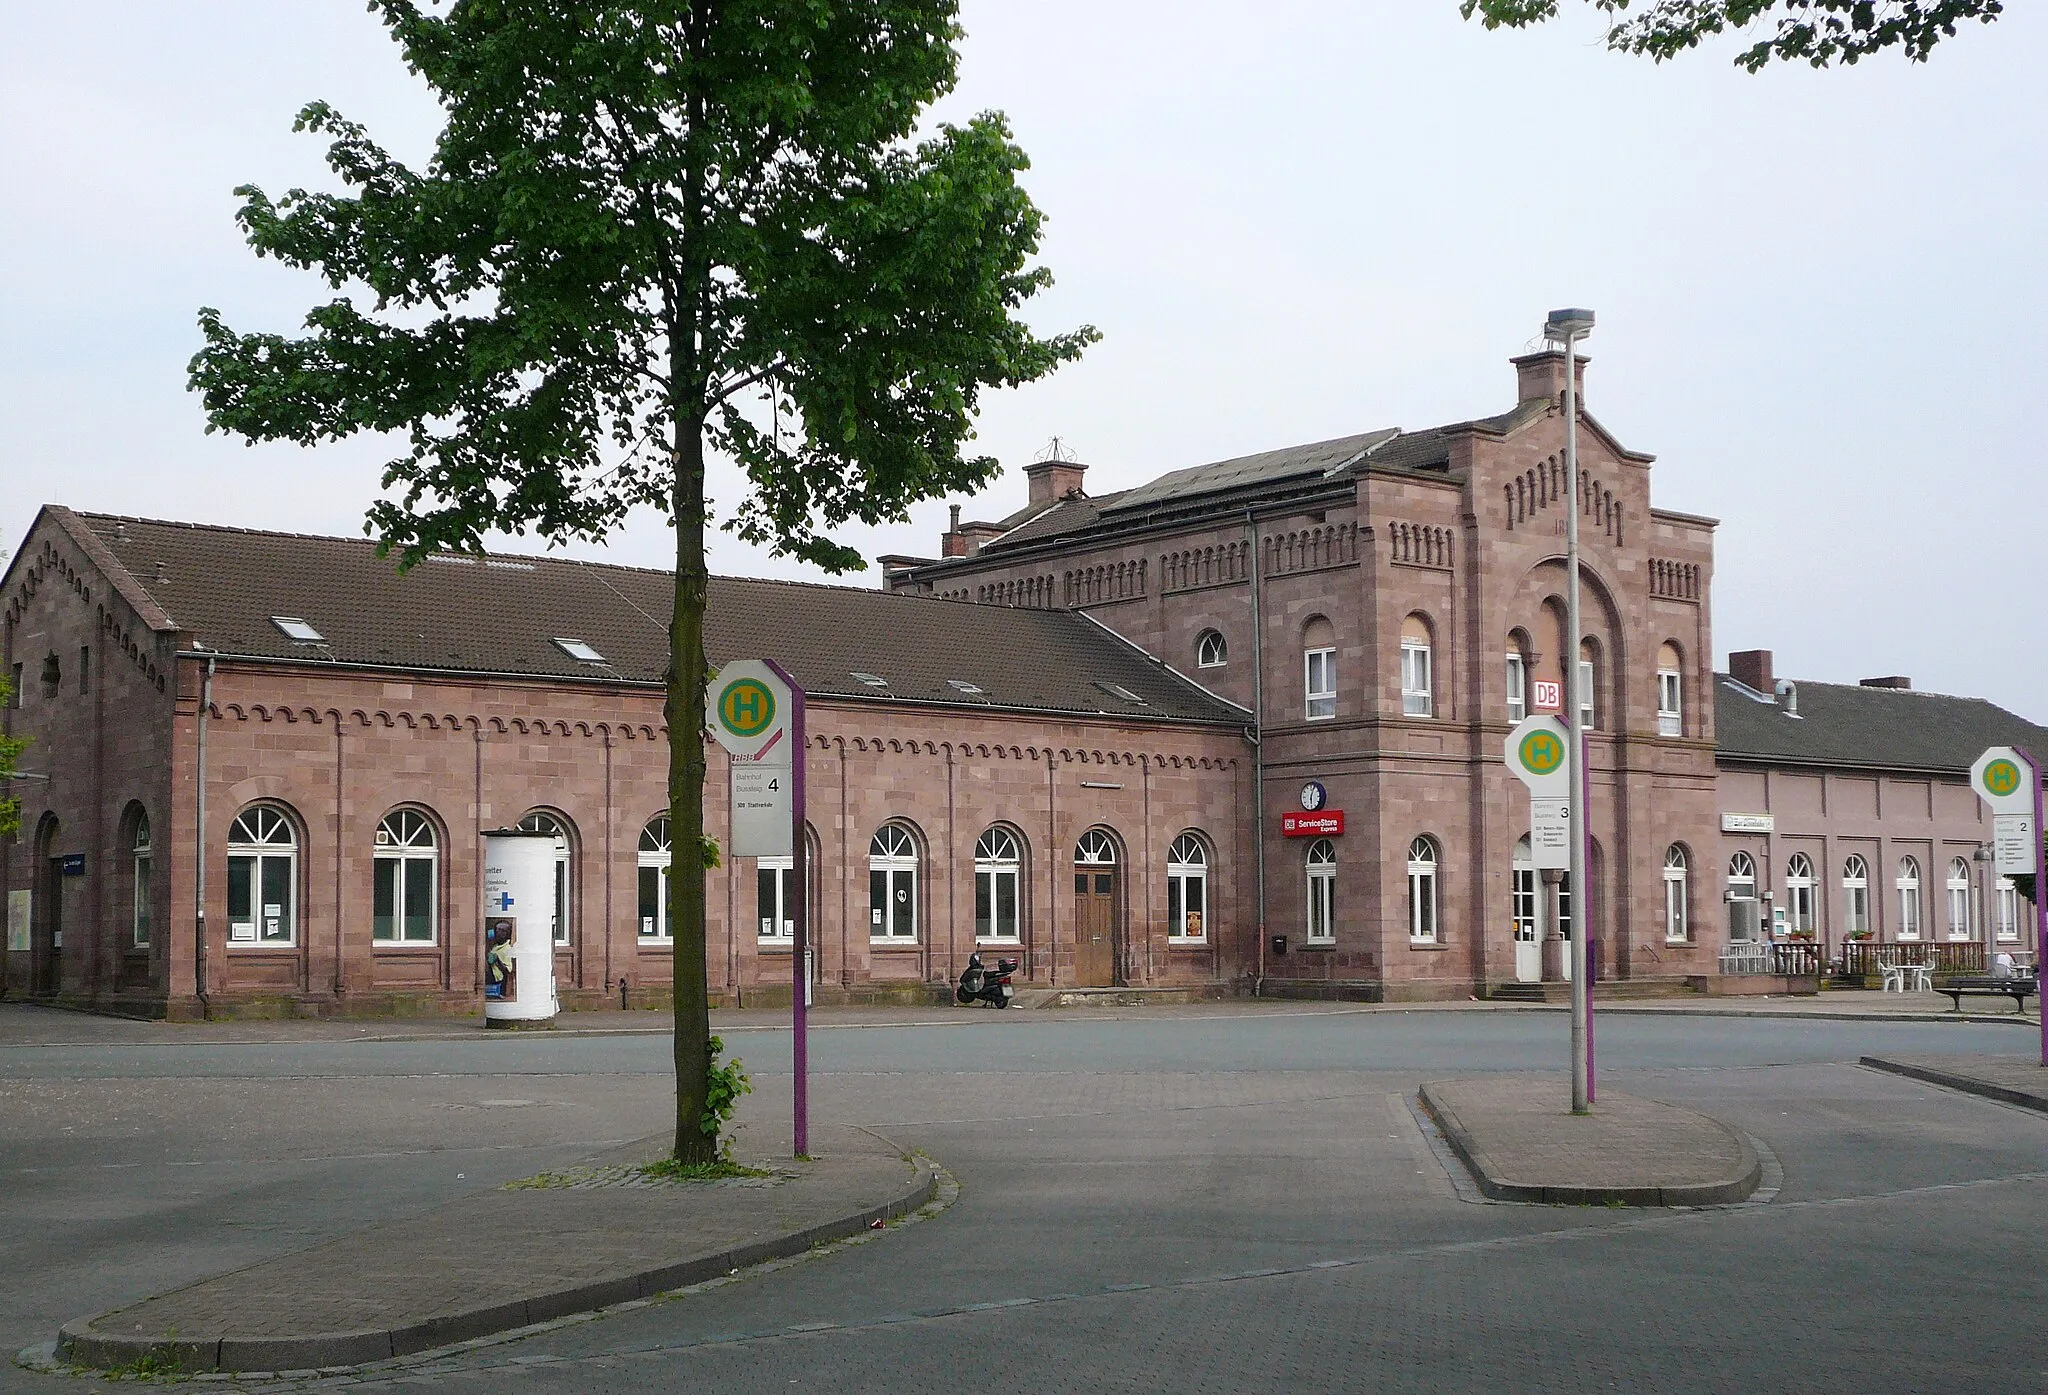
2010, 782
756, 712
1536, 751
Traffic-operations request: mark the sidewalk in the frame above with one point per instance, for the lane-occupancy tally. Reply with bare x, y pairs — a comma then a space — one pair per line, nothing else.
1523, 1144
559, 1244
2010, 1079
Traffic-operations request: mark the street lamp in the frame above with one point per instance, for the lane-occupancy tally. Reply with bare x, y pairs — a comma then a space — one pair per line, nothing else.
1567, 328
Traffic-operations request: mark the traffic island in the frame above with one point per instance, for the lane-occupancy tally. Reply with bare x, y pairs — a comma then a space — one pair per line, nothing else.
548, 1247
2008, 1079
1522, 1143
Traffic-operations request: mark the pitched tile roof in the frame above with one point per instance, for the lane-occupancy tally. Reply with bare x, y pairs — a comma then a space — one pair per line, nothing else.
503, 615
1877, 728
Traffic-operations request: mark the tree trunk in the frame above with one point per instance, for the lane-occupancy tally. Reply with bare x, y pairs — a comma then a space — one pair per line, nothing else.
686, 772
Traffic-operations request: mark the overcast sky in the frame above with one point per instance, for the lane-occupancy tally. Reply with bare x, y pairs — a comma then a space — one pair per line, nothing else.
1821, 296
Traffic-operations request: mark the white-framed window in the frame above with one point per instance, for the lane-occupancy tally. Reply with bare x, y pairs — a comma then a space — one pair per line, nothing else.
1187, 890
656, 900
1211, 651
998, 877
775, 901
892, 885
1799, 899
1908, 885
1319, 671
1670, 692
140, 867
1422, 891
2008, 921
1741, 877
1677, 896
543, 821
1855, 896
1518, 686
404, 877
1418, 696
1961, 924
1321, 865
263, 879
1588, 685
1522, 893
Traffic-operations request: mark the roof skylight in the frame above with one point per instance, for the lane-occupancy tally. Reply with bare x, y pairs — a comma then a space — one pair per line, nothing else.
579, 651
1120, 691
963, 685
297, 630
873, 680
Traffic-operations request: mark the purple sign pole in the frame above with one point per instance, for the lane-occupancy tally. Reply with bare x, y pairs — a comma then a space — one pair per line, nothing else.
800, 937
1585, 894
2040, 904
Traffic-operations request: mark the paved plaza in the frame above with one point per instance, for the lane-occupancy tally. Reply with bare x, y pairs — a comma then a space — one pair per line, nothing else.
1211, 1197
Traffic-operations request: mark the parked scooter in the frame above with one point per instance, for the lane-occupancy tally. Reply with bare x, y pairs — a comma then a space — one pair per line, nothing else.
978, 984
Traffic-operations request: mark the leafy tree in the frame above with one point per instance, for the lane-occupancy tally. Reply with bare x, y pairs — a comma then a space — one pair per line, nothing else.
651, 232
10, 752
1820, 32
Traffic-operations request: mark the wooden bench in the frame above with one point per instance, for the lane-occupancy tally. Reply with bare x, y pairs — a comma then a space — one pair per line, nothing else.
1984, 986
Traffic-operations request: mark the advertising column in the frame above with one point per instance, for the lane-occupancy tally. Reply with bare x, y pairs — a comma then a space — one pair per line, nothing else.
519, 928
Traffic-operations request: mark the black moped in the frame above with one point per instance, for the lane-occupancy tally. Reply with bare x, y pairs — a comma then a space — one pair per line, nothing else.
979, 984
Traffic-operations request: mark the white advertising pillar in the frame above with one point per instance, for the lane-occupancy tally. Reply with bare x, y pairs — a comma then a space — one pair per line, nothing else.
519, 927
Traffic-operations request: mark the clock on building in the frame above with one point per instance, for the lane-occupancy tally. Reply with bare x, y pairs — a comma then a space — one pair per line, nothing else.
1314, 796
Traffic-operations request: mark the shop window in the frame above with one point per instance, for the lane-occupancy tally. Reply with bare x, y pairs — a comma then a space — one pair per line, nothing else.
404, 877
1321, 866
892, 885
263, 879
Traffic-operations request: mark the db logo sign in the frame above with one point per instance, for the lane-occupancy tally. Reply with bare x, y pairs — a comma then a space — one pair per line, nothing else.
1549, 696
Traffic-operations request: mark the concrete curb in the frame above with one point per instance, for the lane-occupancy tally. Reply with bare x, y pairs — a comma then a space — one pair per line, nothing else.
1721, 1192
1792, 1015
1968, 1085
80, 1345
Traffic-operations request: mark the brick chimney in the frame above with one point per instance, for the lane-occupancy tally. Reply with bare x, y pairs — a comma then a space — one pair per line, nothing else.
1053, 480
1541, 374
1752, 669
951, 543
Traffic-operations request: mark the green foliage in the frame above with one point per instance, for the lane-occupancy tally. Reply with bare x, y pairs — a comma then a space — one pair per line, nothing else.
676, 1170
647, 232
708, 848
1817, 32
723, 1086
10, 752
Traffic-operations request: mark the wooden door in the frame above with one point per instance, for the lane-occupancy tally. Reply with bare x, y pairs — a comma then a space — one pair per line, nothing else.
1094, 927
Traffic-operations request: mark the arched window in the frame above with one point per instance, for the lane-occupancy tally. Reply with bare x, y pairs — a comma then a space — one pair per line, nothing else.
656, 899
1096, 849
2008, 910
1855, 897
998, 870
263, 878
1211, 651
1587, 685
1319, 669
1677, 922
1187, 889
140, 865
1961, 924
1422, 891
1742, 877
1418, 694
1908, 885
1799, 894
402, 889
1670, 691
543, 821
1321, 866
892, 885
1518, 676
1522, 890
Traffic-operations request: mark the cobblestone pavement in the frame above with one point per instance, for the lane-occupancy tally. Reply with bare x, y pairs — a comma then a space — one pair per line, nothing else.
1184, 1203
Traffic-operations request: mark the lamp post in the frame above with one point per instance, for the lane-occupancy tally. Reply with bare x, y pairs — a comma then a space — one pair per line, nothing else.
1566, 328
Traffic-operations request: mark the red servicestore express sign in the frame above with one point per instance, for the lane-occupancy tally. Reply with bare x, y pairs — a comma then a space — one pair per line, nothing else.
1327, 823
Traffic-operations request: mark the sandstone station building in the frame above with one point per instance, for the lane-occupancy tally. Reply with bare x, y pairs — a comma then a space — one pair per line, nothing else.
1238, 729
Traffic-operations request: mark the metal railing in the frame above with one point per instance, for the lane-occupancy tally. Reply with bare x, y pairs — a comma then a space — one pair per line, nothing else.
1869, 958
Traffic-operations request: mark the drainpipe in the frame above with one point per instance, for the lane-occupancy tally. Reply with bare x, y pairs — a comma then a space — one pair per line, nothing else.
1257, 734
199, 843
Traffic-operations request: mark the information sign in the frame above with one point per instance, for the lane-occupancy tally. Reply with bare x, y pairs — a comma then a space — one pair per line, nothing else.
761, 808
2015, 844
1535, 751
1547, 695
1327, 824
747, 709
1550, 833
2004, 779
